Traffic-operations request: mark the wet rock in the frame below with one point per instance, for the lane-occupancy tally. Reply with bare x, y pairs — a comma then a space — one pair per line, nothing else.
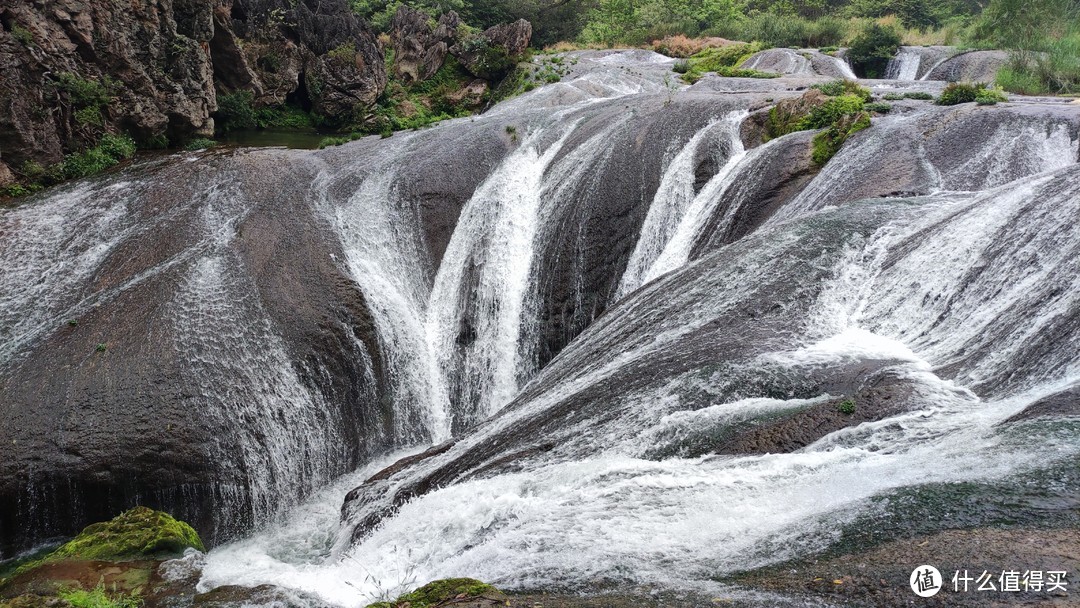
975, 66
92, 430
761, 189
1063, 404
235, 596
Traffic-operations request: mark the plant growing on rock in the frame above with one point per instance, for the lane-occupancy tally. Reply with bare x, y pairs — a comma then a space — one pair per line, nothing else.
98, 598
847, 406
837, 88
957, 92
828, 142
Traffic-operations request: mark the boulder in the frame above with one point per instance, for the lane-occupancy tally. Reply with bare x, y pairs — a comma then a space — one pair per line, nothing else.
493, 53
419, 51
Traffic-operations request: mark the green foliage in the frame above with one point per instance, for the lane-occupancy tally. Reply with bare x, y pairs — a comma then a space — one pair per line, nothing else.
681, 66
847, 406
612, 22
872, 49
776, 29
200, 143
1044, 36
18, 190
831, 111
235, 111
97, 598
963, 92
723, 61
836, 88
111, 149
879, 107
840, 117
23, 35
439, 593
84, 92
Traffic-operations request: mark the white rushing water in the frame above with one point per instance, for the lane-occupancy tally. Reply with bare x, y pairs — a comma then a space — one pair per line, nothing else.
680, 521
905, 66
960, 291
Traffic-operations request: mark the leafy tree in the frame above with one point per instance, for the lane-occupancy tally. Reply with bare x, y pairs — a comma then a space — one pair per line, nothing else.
872, 49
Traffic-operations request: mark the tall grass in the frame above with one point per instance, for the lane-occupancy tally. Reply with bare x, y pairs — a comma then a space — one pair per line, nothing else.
787, 30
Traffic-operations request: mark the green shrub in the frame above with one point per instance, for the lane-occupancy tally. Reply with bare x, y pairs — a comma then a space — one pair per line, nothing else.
831, 111
837, 88
111, 149
919, 95
200, 143
872, 49
1020, 80
84, 92
235, 111
97, 598
847, 406
117, 147
681, 66
959, 92
23, 35
879, 107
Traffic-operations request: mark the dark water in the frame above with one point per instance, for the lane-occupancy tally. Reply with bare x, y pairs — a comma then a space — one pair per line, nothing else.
261, 138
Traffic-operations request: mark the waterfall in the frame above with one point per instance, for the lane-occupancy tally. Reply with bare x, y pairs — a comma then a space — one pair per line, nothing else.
383, 254
673, 197
905, 66
491, 253
676, 249
627, 331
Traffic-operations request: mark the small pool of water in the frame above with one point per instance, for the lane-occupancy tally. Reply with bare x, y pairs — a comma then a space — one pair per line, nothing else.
262, 138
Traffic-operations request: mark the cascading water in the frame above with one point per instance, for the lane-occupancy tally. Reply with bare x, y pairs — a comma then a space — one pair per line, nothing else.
675, 198
905, 66
932, 261
676, 248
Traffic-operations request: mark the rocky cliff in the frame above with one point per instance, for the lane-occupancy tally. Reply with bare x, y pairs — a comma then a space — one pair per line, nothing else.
71, 70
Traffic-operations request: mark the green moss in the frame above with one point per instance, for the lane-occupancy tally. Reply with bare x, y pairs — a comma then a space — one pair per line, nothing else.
847, 406
137, 533
828, 142
438, 592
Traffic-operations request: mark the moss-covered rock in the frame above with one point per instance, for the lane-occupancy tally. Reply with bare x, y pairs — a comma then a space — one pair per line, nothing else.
137, 533
443, 592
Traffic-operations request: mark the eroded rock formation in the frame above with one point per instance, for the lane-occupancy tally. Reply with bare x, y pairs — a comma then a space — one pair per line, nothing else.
72, 69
